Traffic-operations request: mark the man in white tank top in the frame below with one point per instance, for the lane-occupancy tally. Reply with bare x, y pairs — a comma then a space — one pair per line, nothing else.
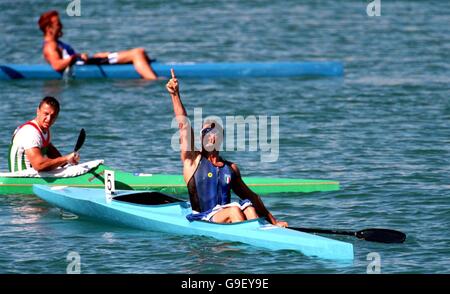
31, 145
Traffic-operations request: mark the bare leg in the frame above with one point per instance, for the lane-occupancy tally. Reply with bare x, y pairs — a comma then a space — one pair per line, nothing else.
101, 55
229, 215
140, 60
250, 213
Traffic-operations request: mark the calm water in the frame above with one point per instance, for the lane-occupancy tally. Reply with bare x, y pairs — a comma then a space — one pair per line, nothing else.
382, 131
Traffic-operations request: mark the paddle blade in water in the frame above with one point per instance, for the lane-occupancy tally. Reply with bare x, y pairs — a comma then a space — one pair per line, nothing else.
80, 140
381, 235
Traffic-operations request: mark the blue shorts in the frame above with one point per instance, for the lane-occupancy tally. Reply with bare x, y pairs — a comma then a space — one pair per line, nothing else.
208, 215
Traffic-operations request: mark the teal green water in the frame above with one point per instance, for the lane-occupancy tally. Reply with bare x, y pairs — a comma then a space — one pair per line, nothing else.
382, 130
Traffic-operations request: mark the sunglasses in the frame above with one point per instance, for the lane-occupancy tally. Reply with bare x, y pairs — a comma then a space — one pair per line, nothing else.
206, 130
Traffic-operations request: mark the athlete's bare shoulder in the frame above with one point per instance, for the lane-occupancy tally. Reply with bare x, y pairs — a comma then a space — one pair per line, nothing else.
51, 51
50, 45
190, 166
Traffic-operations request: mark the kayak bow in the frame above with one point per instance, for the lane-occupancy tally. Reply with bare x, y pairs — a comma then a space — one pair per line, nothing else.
158, 212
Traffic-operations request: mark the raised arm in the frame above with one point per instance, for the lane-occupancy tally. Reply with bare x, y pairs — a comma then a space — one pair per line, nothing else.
186, 132
244, 192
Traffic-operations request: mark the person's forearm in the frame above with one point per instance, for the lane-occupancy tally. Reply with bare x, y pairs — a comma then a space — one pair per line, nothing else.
178, 107
49, 164
186, 132
245, 193
262, 211
271, 218
260, 208
62, 64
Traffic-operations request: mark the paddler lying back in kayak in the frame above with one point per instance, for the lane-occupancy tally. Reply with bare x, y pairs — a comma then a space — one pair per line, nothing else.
60, 55
209, 177
31, 146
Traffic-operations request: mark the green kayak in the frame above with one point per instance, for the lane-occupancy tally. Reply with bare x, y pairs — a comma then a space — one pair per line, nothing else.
171, 184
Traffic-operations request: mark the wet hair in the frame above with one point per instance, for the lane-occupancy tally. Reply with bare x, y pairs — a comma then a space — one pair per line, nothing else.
51, 101
45, 19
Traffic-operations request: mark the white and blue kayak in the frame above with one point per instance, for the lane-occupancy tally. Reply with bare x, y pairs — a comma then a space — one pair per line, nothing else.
159, 212
183, 70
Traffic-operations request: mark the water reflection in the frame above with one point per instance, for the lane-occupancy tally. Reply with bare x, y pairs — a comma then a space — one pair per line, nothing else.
21, 209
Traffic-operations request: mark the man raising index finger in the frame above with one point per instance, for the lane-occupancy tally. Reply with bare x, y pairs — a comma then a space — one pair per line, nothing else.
209, 177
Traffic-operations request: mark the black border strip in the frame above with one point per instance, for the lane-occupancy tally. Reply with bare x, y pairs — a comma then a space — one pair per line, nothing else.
231, 282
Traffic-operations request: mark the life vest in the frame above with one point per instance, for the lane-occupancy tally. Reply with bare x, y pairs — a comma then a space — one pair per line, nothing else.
210, 185
16, 158
66, 49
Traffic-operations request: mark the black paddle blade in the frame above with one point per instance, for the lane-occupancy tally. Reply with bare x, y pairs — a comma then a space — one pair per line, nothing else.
80, 140
381, 235
374, 235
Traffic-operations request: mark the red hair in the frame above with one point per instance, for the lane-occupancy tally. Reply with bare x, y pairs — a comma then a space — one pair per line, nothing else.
45, 19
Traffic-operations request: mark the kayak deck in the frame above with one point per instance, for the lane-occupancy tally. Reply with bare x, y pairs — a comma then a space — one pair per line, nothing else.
172, 184
183, 70
130, 208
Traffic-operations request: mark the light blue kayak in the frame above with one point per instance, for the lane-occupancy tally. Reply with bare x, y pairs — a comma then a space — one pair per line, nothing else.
183, 70
159, 212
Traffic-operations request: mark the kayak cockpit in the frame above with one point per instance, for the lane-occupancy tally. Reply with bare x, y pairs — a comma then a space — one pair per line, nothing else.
147, 198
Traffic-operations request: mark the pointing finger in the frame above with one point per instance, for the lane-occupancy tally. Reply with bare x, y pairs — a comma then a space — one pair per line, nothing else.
173, 73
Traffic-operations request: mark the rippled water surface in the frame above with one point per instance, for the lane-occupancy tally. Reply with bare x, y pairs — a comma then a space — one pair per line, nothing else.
382, 130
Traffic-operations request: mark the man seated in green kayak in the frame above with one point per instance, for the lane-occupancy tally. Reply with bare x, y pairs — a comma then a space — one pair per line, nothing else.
61, 55
31, 146
209, 177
